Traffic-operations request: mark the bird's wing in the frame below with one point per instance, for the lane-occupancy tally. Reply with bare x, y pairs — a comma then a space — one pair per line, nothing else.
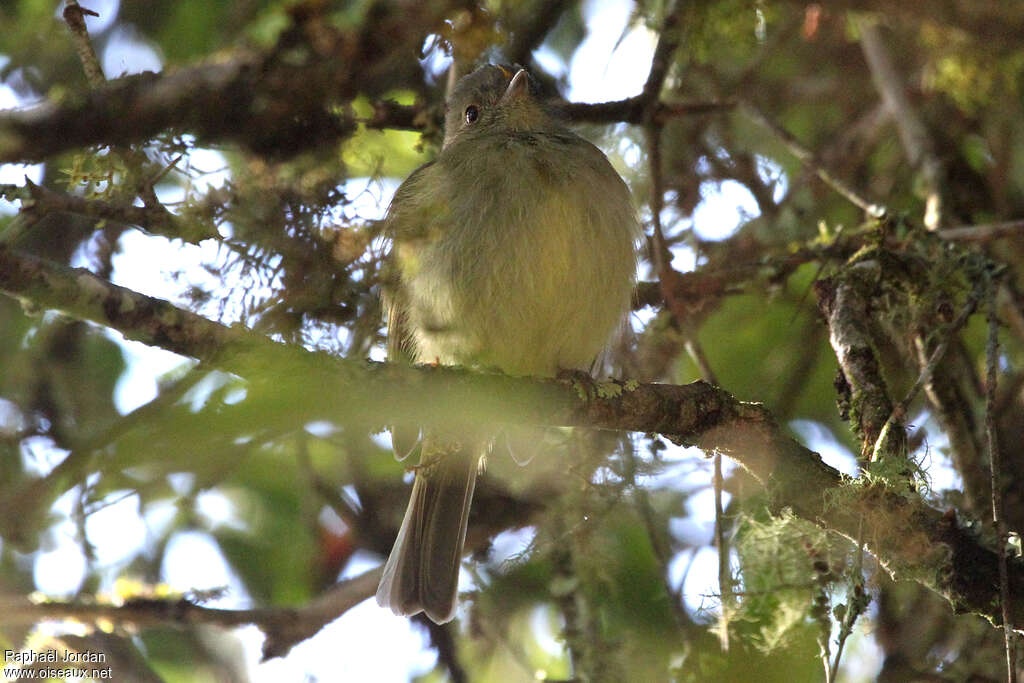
404, 436
417, 203
415, 206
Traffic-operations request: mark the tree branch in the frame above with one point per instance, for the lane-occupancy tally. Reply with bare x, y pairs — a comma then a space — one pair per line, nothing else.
390, 114
916, 142
807, 157
283, 627
984, 232
909, 538
540, 19
154, 219
74, 16
844, 301
668, 41
274, 103
633, 110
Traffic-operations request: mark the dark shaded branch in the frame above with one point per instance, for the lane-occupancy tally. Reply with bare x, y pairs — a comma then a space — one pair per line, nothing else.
280, 102
154, 219
213, 101
633, 109
668, 42
909, 538
540, 19
391, 114
223, 103
443, 641
283, 627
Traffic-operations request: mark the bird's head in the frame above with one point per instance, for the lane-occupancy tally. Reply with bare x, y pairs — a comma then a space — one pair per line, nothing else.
494, 99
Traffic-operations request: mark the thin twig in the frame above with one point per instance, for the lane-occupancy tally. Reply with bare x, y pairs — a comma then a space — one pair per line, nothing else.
153, 219
283, 626
74, 16
696, 353
569, 604
661, 552
662, 256
991, 376
937, 355
807, 157
336, 498
725, 587
917, 144
952, 395
900, 409
724, 568
856, 602
666, 111
668, 42
669, 279
983, 232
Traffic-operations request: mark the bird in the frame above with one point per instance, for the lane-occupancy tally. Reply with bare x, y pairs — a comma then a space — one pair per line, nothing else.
514, 250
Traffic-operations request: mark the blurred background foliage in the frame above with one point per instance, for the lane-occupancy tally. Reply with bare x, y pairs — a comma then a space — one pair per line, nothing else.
604, 547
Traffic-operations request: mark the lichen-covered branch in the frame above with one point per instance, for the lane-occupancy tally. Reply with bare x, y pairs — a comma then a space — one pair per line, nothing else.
844, 300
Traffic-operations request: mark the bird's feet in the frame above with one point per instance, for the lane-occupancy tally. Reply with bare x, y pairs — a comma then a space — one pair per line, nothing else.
581, 381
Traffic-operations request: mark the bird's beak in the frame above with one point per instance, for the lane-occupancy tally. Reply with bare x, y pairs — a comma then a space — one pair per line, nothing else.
518, 87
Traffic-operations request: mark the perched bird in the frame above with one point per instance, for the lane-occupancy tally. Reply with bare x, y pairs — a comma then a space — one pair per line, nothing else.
514, 250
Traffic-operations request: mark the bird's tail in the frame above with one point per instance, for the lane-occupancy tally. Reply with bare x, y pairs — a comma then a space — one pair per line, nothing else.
422, 573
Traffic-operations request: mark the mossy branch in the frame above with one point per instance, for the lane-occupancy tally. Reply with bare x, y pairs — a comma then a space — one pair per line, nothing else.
910, 539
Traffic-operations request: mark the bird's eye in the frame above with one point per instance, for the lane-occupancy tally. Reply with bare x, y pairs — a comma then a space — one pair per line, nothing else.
472, 113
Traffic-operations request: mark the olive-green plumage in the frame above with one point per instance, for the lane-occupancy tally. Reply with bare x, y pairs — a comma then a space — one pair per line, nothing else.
514, 250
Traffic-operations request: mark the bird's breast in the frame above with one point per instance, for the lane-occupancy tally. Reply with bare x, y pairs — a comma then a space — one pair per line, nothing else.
534, 267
